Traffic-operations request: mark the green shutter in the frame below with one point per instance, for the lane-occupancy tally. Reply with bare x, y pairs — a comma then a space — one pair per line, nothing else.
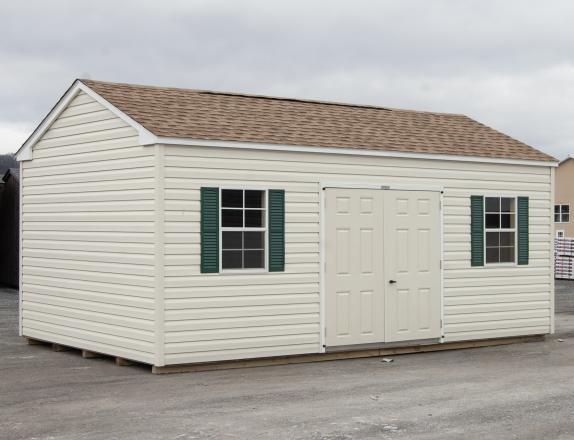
476, 230
209, 230
522, 211
276, 208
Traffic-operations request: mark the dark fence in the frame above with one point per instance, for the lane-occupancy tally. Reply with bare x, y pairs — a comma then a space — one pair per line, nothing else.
9, 229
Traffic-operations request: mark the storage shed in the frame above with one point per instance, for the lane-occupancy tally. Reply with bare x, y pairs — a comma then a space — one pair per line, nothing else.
175, 226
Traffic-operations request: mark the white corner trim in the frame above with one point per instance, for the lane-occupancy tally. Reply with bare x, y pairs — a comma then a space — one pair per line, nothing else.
20, 250
25, 151
345, 150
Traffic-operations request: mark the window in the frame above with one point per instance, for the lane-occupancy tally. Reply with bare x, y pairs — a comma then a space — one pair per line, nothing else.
243, 229
561, 213
560, 234
500, 229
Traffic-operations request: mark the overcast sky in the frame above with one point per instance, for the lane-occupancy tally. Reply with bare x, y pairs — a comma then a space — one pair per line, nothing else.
509, 64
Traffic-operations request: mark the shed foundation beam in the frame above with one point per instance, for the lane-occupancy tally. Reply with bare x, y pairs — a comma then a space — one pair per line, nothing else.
58, 347
375, 352
32, 341
123, 362
86, 354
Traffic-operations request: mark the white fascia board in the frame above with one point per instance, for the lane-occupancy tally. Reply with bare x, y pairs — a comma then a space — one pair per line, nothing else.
25, 151
346, 151
146, 137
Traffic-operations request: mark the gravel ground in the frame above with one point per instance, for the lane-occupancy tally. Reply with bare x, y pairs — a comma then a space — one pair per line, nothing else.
521, 391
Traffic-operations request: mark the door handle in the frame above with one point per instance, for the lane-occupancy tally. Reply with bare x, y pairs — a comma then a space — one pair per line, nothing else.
392, 281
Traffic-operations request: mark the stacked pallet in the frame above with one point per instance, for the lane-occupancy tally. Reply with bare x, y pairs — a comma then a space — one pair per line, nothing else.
564, 258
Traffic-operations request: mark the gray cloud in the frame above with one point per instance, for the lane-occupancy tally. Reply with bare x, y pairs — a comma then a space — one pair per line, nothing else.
509, 64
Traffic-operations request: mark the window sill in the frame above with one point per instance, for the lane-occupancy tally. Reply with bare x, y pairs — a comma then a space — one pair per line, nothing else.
242, 271
495, 265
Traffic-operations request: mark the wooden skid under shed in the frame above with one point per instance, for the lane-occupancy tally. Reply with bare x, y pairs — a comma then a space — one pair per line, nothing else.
375, 352
86, 354
298, 359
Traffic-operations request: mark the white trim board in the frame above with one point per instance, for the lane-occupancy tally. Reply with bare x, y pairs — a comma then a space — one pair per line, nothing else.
346, 151
148, 138
25, 151
389, 185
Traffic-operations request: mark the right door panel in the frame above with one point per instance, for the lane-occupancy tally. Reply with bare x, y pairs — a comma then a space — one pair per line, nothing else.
412, 265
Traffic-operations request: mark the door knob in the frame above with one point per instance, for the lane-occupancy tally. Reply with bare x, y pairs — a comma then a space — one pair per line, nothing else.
392, 281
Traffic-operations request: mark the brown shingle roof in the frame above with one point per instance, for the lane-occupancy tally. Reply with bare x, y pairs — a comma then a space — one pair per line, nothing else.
200, 114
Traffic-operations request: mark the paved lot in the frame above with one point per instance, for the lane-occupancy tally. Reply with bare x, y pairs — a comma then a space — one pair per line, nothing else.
522, 391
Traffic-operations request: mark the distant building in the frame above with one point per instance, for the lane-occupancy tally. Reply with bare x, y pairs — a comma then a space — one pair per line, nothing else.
9, 227
564, 198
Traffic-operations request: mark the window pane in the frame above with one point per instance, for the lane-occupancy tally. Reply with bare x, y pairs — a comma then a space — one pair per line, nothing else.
232, 218
492, 239
565, 218
507, 221
232, 198
507, 204
557, 218
507, 254
231, 260
492, 204
254, 199
492, 221
506, 239
556, 209
254, 218
565, 208
253, 259
253, 240
492, 255
232, 240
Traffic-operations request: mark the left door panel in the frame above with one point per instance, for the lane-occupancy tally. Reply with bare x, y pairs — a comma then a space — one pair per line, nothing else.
354, 271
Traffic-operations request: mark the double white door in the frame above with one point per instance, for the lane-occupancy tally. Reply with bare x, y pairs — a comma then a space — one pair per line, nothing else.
382, 266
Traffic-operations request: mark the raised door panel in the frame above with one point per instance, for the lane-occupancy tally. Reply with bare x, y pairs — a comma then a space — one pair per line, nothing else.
354, 267
412, 261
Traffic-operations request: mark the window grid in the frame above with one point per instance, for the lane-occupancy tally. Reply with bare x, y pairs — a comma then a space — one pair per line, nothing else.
500, 222
244, 229
561, 213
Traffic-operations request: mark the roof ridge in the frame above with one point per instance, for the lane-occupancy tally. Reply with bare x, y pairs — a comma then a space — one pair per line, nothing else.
275, 98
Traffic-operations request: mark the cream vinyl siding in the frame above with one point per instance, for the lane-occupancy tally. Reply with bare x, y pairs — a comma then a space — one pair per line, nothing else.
88, 235
111, 245
230, 316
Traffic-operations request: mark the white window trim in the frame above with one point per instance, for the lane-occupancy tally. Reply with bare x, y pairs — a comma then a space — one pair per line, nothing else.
499, 264
560, 231
560, 213
242, 229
